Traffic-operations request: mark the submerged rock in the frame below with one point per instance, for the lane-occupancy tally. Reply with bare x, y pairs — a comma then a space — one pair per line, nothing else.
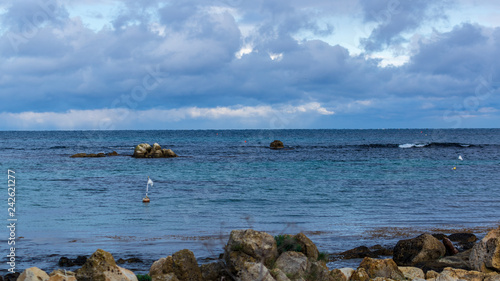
417, 250
100, 154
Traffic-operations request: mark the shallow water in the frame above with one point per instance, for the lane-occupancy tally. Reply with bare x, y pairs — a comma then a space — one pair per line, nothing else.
337, 185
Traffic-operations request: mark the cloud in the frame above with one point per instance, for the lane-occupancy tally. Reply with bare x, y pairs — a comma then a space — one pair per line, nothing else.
122, 118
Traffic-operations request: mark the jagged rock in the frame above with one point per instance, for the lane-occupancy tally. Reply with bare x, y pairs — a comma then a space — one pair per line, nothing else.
338, 275
62, 275
114, 153
292, 263
346, 271
11, 276
360, 275
455, 274
255, 271
319, 272
33, 274
412, 272
307, 246
492, 276
169, 153
417, 250
144, 150
214, 271
465, 241
130, 260
279, 275
276, 144
161, 267
156, 147
259, 245
236, 260
381, 268
101, 266
485, 255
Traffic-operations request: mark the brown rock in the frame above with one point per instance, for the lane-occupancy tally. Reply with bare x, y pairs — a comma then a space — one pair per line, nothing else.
161, 267
292, 263
307, 246
360, 275
358, 253
338, 275
431, 274
411, 273
168, 153
485, 255
381, 268
101, 266
114, 153
455, 274
278, 275
276, 144
33, 274
79, 155
417, 250
236, 260
214, 271
62, 275
259, 245
450, 249
185, 266
255, 271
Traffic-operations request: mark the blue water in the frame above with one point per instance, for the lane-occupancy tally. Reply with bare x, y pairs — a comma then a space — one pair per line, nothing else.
336, 185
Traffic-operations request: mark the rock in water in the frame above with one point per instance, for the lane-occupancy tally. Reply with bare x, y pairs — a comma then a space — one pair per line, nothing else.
276, 144
259, 246
144, 150
169, 153
101, 266
485, 255
386, 268
416, 250
450, 249
33, 274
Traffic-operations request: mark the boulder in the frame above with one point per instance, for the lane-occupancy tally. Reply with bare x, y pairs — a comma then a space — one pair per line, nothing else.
214, 271
338, 275
169, 153
318, 272
236, 260
485, 255
62, 275
417, 250
276, 144
255, 272
182, 265
348, 272
65, 262
293, 264
358, 253
431, 274
114, 153
260, 246
156, 147
411, 273
33, 274
491, 276
101, 266
464, 241
130, 260
381, 268
80, 260
360, 275
142, 150
11, 276
456, 274
307, 246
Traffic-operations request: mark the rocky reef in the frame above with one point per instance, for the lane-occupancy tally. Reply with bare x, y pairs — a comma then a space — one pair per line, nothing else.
251, 255
145, 150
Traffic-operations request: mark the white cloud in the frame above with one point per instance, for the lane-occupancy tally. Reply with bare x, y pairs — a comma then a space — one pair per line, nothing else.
136, 119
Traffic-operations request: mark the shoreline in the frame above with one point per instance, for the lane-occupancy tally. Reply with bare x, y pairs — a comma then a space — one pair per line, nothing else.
386, 236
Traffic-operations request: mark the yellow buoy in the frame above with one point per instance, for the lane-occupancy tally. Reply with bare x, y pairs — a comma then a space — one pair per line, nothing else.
454, 168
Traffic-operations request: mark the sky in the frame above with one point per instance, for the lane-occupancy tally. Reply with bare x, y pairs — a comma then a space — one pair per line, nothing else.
238, 64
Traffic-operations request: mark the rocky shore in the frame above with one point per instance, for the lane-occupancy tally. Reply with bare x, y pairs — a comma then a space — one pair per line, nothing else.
254, 255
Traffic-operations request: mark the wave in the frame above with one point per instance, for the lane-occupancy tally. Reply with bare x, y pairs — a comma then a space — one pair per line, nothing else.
435, 145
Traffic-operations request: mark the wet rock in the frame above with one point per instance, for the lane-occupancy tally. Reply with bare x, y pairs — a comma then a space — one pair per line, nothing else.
145, 150
411, 273
292, 263
79, 155
464, 241
381, 268
101, 266
417, 250
485, 255
440, 236
130, 260
450, 249
80, 260
358, 253
307, 246
214, 271
260, 246
168, 153
114, 153
11, 276
65, 262
62, 275
276, 144
33, 274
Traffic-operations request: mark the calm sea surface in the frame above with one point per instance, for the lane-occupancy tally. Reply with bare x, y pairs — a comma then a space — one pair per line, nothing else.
340, 186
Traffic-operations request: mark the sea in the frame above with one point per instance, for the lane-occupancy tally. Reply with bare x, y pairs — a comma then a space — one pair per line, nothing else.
342, 188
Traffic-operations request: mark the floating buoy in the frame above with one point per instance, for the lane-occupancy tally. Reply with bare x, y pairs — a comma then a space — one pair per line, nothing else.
454, 168
145, 200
